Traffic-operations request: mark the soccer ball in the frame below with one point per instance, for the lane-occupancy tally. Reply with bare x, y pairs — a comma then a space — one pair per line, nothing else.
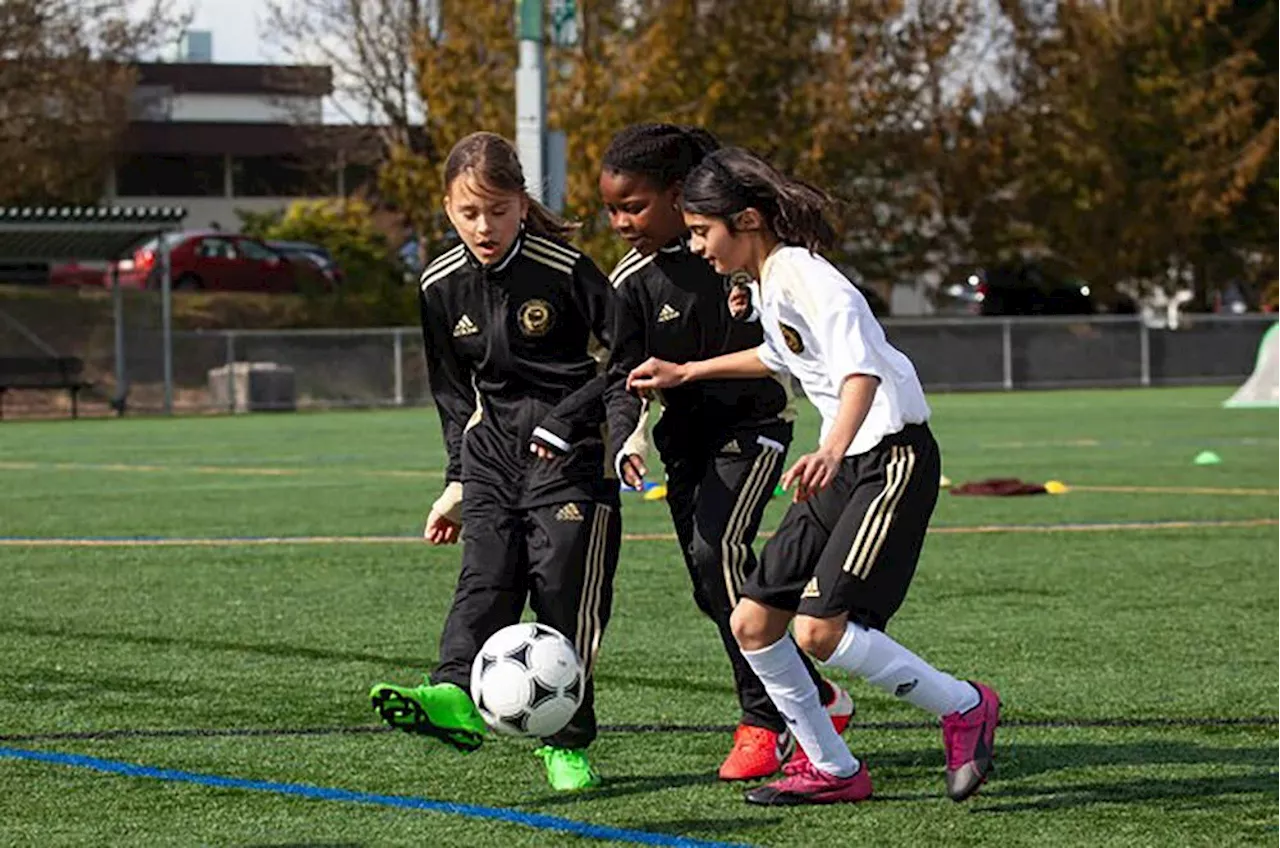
527, 680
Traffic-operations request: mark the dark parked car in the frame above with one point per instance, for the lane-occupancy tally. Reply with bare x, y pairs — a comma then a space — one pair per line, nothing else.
319, 254
1035, 288
1039, 287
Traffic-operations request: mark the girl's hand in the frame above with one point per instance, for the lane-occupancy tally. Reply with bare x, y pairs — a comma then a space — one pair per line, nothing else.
812, 473
441, 530
739, 301
541, 450
633, 471
655, 374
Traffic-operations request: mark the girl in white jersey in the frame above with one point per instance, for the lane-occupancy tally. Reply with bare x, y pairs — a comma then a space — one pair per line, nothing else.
846, 550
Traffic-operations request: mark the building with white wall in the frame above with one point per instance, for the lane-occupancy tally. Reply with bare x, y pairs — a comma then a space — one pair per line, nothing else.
216, 138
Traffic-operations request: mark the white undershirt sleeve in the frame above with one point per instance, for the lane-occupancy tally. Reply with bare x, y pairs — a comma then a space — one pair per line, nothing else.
842, 330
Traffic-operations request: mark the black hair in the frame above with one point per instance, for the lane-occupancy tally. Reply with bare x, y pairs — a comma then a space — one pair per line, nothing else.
663, 153
732, 179
493, 162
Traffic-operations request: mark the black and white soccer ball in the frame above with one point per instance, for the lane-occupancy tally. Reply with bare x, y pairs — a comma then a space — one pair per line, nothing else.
527, 680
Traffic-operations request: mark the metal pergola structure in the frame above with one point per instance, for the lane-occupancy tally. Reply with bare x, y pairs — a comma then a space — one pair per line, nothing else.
99, 233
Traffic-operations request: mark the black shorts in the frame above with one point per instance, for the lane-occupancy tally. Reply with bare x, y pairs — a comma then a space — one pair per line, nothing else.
853, 547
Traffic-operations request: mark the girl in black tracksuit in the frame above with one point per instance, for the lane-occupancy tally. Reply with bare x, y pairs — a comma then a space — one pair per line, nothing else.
506, 318
722, 443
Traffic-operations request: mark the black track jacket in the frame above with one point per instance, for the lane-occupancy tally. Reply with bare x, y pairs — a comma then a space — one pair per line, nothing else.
673, 305
506, 349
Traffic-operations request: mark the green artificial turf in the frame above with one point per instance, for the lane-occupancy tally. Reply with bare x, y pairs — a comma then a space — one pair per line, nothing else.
1137, 664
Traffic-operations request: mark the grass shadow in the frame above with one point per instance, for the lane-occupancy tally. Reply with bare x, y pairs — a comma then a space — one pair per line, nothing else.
1019, 760
706, 827
1209, 792
288, 652
1014, 788
668, 684
625, 785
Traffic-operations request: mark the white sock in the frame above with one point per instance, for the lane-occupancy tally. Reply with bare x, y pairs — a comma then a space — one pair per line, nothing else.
794, 694
888, 666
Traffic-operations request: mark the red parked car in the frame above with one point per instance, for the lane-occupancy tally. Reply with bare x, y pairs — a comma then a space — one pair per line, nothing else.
79, 274
217, 261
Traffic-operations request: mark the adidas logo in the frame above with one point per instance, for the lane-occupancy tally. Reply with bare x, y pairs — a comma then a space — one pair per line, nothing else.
569, 512
667, 313
811, 589
731, 447
465, 327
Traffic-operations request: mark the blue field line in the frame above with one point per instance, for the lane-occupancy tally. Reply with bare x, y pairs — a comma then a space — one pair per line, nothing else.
538, 821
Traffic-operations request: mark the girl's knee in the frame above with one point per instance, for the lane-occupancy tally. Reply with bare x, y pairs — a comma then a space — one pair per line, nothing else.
819, 637
745, 626
756, 626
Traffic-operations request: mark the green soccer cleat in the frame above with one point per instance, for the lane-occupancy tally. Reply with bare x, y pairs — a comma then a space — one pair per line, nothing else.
443, 711
568, 769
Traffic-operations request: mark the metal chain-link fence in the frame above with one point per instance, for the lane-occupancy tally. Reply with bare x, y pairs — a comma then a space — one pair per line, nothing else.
1048, 353
225, 370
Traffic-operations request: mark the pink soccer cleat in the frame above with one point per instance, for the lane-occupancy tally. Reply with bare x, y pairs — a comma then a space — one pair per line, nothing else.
970, 738
804, 784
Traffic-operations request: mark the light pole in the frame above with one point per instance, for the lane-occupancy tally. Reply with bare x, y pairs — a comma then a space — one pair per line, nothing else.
531, 98
543, 153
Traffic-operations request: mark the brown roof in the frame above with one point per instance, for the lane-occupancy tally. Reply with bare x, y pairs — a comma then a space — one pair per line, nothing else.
219, 78
205, 138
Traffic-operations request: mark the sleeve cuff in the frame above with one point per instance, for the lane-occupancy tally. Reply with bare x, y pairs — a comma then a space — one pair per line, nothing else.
636, 444
765, 354
449, 504
550, 439
848, 370
754, 315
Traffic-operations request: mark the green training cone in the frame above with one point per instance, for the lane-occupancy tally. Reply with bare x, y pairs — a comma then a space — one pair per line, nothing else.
1208, 458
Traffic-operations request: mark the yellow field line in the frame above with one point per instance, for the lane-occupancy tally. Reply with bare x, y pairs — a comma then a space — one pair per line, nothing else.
421, 474
1062, 443
208, 543
1176, 490
238, 471
1108, 527
1246, 441
630, 537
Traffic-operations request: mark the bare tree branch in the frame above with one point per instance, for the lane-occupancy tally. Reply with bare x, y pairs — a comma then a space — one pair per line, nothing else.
66, 84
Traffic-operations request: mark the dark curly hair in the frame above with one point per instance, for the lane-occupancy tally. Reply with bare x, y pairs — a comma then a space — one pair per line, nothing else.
663, 153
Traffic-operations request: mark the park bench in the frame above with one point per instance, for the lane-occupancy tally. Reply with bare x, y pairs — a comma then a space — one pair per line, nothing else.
56, 373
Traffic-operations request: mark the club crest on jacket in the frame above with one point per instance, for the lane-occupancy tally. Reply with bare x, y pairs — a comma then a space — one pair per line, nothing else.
536, 317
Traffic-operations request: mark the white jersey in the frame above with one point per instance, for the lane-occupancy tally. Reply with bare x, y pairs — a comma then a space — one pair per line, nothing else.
819, 328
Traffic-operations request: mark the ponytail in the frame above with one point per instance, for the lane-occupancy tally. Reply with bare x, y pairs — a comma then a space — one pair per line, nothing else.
801, 216
541, 221
731, 180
